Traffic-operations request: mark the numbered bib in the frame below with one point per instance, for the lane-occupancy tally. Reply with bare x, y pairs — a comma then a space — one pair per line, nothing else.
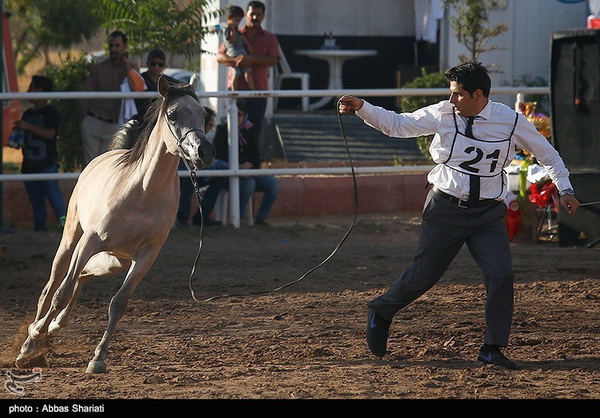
479, 157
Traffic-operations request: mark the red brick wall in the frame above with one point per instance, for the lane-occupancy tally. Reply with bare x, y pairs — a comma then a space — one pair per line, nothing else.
299, 196
334, 195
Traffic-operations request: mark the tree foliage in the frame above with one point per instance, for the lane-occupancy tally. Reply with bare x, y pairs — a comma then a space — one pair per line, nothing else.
69, 76
40, 25
412, 103
472, 26
167, 24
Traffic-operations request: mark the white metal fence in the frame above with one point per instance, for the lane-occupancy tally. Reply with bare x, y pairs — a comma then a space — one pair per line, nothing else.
234, 172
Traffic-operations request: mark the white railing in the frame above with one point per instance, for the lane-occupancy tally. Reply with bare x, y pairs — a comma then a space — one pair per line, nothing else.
234, 172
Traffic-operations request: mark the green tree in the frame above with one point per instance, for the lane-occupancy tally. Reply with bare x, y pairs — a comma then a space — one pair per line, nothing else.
176, 28
412, 103
69, 76
472, 26
41, 25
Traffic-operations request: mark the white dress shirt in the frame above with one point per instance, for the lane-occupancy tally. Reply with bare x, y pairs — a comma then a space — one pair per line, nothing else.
494, 123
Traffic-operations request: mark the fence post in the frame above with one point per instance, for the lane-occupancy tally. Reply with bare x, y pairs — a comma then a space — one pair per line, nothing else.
234, 163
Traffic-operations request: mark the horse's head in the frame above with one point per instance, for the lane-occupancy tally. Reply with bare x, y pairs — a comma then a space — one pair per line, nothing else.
185, 117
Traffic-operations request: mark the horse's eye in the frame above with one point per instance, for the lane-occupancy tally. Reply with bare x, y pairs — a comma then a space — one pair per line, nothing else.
172, 115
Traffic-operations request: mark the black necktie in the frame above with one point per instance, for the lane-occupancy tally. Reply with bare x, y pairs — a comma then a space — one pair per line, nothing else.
469, 128
474, 184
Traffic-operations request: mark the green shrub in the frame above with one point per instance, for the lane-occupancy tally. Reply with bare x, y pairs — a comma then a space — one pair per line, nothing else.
69, 76
412, 103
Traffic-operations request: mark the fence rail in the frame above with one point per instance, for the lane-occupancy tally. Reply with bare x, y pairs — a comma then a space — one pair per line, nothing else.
234, 172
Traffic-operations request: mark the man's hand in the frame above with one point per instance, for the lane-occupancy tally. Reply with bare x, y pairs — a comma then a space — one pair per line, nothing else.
570, 203
242, 61
125, 61
350, 104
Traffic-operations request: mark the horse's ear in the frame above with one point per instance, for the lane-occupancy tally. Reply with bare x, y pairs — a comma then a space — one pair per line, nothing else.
163, 85
194, 81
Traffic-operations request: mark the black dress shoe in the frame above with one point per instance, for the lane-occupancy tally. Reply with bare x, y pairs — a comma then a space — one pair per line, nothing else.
378, 330
491, 354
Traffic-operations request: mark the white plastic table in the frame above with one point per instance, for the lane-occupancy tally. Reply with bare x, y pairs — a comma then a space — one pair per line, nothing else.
336, 59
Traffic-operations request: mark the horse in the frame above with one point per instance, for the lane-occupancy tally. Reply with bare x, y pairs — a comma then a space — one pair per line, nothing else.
119, 216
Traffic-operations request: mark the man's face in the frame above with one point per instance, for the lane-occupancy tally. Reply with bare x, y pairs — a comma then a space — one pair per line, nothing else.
156, 65
464, 103
33, 89
210, 124
116, 47
254, 16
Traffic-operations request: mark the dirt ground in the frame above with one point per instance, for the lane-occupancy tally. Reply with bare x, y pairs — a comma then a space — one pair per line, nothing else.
307, 341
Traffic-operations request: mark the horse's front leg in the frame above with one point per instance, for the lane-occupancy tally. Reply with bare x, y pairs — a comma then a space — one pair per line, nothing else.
117, 308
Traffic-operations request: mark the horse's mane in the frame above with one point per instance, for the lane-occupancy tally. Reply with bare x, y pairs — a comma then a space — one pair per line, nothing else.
155, 110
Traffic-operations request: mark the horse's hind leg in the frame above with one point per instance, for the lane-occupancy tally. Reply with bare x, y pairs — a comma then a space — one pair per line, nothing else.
56, 300
101, 264
30, 347
60, 265
117, 308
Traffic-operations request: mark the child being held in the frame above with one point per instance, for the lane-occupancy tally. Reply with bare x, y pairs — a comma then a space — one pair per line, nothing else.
237, 45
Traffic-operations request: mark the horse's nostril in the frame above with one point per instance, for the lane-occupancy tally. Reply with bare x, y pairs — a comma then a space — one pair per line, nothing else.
206, 149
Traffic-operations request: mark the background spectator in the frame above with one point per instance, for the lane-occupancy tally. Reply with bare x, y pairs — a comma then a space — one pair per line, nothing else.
40, 126
249, 158
100, 116
265, 54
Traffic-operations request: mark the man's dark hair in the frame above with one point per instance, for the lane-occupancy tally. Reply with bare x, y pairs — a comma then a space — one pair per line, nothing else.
117, 34
235, 11
41, 82
257, 5
210, 112
471, 76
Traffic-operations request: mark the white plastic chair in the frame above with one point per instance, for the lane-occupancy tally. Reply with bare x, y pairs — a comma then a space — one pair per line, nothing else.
284, 71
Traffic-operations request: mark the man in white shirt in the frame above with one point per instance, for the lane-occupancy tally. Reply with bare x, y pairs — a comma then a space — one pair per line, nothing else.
474, 140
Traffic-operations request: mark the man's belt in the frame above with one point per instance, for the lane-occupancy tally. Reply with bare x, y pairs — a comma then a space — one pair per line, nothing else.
107, 120
464, 203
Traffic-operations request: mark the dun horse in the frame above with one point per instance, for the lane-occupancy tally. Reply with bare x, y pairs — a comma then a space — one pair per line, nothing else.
120, 215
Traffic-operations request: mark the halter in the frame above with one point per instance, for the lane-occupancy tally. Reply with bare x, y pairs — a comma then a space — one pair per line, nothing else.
193, 176
335, 250
179, 141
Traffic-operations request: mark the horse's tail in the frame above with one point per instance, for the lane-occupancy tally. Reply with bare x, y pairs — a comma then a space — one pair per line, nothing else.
126, 136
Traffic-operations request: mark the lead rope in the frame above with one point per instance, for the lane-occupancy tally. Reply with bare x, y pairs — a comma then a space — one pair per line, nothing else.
335, 250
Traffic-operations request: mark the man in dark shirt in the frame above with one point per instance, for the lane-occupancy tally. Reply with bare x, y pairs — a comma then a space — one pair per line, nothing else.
156, 62
40, 125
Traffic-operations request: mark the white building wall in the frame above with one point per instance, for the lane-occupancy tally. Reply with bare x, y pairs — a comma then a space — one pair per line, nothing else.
525, 47
342, 17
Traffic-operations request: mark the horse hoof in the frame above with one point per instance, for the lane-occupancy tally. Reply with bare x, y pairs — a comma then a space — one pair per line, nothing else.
31, 354
54, 330
28, 350
96, 367
29, 362
20, 361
